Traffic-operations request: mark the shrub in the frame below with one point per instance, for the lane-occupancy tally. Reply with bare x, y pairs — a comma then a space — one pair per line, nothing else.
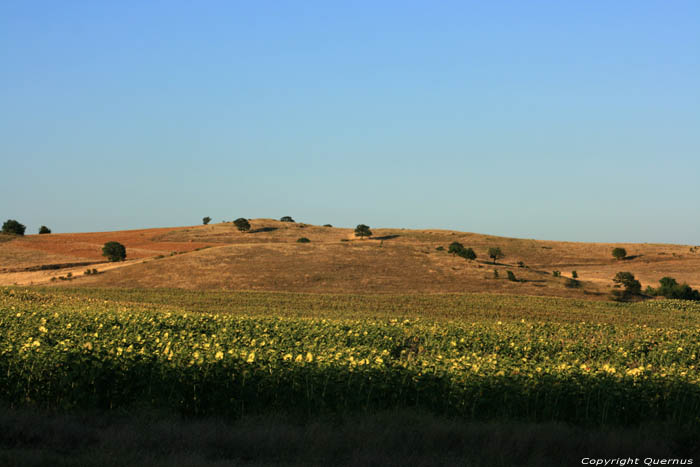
94, 271
440, 248
556, 273
495, 274
511, 276
206, 220
631, 286
88, 272
70, 274
574, 274
11, 226
286, 219
303, 240
114, 251
670, 288
572, 283
44, 230
495, 253
327, 225
242, 224
619, 253
521, 264
362, 231
344, 240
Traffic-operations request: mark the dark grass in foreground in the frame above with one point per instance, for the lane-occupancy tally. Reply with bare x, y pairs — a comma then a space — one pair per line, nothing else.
32, 438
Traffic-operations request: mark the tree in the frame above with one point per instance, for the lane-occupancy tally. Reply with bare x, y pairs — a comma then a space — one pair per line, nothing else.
362, 231
495, 253
44, 230
242, 224
286, 219
206, 220
619, 253
11, 226
468, 254
511, 276
630, 284
114, 251
455, 248
670, 288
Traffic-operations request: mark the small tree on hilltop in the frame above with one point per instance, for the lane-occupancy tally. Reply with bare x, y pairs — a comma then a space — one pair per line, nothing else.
206, 220
468, 254
11, 226
242, 224
495, 254
44, 230
286, 219
362, 231
114, 251
619, 253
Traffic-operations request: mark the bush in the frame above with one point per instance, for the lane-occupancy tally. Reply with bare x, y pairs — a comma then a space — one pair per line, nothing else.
94, 271
670, 288
619, 253
11, 226
362, 231
556, 273
455, 248
327, 225
88, 272
114, 251
631, 286
286, 219
572, 283
521, 264
242, 224
440, 248
511, 276
495, 253
574, 274
44, 230
495, 274
303, 240
206, 220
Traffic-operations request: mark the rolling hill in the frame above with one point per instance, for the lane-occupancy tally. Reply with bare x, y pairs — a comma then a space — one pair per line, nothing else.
268, 257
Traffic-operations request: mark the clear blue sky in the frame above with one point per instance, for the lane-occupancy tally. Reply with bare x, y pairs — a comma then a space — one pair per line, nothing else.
573, 120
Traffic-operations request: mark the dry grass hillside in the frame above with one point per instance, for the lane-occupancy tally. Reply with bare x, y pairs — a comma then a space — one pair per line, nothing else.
268, 257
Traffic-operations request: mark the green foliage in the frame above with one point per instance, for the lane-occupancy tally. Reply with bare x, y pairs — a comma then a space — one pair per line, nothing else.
303, 240
44, 230
572, 283
495, 273
511, 276
242, 224
66, 352
631, 286
206, 220
556, 273
619, 253
574, 274
11, 226
440, 248
286, 219
458, 249
362, 231
670, 288
521, 264
114, 251
495, 254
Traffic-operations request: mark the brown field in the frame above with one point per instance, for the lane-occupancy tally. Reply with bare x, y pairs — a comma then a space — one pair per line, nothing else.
392, 261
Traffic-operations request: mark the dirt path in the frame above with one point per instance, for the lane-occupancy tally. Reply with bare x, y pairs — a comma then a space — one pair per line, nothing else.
44, 277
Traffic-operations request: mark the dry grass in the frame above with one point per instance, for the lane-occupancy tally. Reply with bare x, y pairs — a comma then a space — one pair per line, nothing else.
392, 261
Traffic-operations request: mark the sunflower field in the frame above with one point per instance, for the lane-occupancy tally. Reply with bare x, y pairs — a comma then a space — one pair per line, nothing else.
70, 350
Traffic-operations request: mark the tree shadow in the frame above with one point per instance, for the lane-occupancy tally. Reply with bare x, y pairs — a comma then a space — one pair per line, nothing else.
385, 237
264, 229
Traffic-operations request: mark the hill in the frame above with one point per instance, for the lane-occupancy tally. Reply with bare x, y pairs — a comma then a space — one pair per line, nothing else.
269, 258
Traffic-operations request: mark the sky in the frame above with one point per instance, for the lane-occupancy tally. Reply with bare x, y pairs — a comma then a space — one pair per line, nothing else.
576, 120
